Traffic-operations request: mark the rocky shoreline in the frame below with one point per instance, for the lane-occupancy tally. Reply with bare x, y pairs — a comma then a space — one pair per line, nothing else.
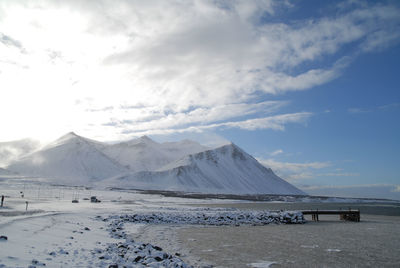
130, 253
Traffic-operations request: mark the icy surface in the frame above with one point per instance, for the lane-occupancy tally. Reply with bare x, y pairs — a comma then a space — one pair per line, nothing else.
54, 232
262, 264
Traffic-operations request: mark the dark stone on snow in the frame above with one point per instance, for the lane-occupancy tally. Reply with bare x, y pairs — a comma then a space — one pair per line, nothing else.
3, 238
87, 229
158, 258
138, 258
113, 266
177, 254
157, 248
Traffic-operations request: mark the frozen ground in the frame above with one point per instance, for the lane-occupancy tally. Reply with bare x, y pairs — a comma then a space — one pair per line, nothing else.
42, 227
142, 230
55, 232
374, 242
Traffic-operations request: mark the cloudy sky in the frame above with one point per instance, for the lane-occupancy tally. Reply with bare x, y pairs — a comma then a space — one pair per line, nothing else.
310, 88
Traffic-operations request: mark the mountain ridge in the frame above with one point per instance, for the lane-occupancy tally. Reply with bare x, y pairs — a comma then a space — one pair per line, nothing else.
146, 164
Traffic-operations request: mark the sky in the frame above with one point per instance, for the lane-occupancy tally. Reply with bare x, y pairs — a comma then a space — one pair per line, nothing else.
309, 88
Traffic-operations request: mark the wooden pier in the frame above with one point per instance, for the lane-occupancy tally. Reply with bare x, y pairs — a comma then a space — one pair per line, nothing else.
345, 215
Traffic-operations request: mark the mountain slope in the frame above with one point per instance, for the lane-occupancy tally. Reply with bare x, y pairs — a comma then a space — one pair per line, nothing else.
145, 164
144, 154
227, 169
70, 159
13, 150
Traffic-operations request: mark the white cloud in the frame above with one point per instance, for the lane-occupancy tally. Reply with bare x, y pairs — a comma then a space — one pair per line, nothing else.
299, 171
276, 152
390, 106
357, 111
385, 191
293, 167
338, 174
184, 65
293, 171
276, 122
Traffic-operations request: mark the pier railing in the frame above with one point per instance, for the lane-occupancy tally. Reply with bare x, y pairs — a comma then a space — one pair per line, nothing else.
346, 215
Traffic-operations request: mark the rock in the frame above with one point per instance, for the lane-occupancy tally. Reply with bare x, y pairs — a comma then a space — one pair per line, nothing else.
87, 229
37, 263
158, 258
3, 238
157, 248
113, 266
138, 258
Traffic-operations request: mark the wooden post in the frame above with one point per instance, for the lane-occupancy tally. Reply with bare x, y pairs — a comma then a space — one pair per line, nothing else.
2, 200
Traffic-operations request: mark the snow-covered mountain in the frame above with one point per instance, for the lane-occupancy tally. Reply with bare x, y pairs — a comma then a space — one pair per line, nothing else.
227, 169
145, 164
13, 150
144, 154
71, 160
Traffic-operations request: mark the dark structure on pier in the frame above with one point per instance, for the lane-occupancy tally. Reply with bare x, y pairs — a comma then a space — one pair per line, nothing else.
346, 215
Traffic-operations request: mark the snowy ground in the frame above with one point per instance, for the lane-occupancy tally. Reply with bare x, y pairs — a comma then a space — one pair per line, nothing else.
142, 230
44, 228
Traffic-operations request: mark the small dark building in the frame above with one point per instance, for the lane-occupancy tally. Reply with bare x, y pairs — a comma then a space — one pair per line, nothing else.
94, 199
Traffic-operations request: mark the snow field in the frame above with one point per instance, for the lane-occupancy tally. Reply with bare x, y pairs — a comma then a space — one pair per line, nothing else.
58, 233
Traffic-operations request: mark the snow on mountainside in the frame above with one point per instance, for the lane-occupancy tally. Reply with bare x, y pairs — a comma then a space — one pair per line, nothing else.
144, 154
70, 159
12, 150
227, 169
145, 164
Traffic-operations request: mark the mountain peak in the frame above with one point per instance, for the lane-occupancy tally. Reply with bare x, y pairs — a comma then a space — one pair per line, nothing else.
66, 138
146, 138
71, 134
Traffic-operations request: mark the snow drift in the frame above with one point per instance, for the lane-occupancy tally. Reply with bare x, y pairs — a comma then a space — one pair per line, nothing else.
145, 164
